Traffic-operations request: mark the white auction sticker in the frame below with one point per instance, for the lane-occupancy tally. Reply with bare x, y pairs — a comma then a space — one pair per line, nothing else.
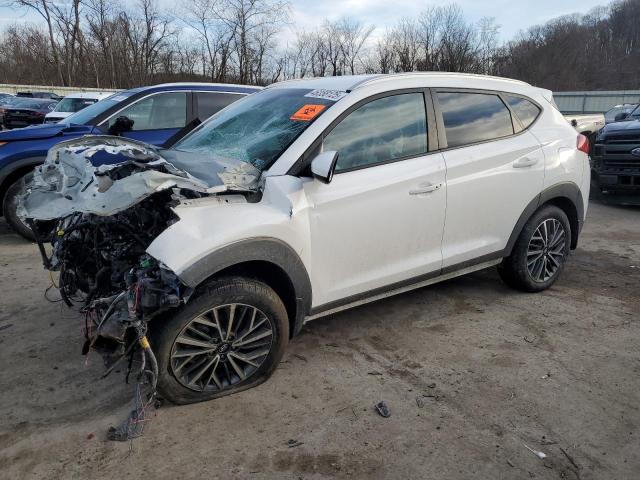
333, 95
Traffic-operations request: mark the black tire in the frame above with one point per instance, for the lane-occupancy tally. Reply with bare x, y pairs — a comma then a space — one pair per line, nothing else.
9, 207
514, 269
219, 293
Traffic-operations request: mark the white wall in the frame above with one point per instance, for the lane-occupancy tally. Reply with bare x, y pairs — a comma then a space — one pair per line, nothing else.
62, 91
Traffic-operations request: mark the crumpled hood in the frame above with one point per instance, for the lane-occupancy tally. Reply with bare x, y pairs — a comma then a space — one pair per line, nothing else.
46, 130
68, 182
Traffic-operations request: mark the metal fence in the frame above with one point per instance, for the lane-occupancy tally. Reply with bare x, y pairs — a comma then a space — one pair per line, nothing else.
594, 102
62, 91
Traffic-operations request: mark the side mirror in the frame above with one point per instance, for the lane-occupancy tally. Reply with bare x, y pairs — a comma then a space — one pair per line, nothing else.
324, 165
621, 116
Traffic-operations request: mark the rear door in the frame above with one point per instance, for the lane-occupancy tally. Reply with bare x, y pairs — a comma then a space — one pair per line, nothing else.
380, 220
495, 167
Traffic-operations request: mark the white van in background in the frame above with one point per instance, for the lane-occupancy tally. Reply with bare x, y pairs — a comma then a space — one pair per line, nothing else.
74, 103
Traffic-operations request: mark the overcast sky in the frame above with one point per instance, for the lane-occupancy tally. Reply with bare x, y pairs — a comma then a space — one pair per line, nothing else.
511, 15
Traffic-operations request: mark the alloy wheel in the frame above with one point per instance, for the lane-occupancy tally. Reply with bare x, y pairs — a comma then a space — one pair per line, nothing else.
546, 250
221, 347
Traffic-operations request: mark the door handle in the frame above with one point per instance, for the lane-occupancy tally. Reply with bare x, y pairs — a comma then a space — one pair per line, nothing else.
525, 162
425, 188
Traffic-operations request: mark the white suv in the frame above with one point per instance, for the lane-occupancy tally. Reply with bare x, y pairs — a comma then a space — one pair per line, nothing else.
307, 198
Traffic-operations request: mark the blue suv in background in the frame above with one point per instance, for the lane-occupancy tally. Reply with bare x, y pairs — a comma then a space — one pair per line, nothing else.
157, 115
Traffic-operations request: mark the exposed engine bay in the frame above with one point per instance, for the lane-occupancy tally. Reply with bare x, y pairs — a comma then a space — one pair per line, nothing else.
99, 221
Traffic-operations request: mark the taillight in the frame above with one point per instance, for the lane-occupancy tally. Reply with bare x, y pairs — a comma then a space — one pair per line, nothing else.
583, 144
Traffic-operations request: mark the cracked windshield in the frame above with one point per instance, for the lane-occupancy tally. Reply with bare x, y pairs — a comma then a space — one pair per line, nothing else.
259, 128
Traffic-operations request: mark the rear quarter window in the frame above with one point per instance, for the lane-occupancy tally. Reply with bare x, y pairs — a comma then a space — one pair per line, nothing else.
474, 117
525, 110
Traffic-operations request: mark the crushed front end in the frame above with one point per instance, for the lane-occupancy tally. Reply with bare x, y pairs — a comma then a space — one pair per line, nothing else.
99, 222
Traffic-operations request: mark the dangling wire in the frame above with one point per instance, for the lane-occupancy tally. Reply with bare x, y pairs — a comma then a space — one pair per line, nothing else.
51, 285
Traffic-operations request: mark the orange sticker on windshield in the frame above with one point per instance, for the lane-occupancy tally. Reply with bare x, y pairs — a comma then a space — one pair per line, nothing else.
307, 113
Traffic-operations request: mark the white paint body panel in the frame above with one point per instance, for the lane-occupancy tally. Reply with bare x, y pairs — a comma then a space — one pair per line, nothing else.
363, 230
487, 193
563, 161
387, 235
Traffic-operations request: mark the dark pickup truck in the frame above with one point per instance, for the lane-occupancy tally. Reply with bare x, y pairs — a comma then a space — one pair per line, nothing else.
615, 162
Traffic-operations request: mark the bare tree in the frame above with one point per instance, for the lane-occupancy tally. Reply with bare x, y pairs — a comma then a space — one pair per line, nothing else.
488, 43
459, 46
216, 36
429, 35
386, 58
354, 34
405, 41
43, 8
111, 43
245, 18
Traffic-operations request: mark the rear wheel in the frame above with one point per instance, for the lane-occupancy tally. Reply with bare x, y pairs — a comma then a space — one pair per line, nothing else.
228, 339
540, 253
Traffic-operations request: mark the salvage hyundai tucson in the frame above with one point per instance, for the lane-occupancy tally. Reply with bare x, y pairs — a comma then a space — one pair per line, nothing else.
312, 196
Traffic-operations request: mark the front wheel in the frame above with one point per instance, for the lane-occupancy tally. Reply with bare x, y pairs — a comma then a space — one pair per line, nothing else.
540, 253
10, 208
229, 338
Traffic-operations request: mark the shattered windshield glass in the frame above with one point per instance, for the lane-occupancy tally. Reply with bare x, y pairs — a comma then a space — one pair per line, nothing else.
260, 127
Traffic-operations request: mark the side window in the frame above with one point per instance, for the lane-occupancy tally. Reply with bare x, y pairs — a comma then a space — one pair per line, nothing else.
386, 129
526, 111
164, 110
473, 117
210, 103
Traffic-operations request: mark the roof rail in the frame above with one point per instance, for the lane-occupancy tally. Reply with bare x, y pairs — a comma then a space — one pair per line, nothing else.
382, 77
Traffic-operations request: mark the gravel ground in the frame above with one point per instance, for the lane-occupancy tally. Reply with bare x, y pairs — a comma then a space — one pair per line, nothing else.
471, 371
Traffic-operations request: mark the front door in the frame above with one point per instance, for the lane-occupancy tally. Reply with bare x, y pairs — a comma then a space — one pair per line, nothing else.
380, 220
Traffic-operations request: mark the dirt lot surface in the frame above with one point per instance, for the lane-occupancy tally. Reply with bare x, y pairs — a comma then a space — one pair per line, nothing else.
471, 371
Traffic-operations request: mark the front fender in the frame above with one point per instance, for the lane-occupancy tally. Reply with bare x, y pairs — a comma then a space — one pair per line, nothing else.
220, 231
262, 249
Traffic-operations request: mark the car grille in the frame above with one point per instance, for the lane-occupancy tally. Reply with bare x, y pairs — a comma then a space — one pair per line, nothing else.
615, 151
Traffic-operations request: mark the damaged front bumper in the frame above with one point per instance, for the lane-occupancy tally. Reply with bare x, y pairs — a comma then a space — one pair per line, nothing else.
106, 217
